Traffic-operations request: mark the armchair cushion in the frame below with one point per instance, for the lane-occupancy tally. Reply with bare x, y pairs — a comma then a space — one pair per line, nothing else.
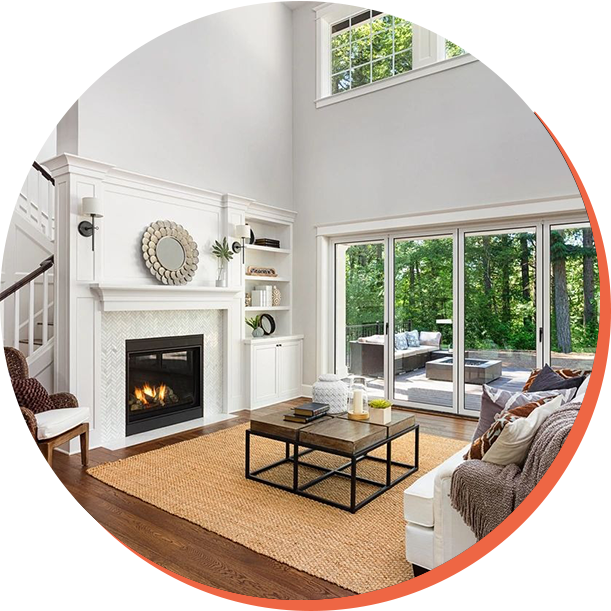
57, 421
31, 393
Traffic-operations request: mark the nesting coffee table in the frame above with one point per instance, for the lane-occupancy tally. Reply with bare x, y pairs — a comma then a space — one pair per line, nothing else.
338, 436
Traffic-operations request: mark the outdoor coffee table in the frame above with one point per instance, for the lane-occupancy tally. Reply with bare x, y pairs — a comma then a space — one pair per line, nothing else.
338, 436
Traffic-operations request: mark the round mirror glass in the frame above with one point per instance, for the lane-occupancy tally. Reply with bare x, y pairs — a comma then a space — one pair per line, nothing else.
170, 253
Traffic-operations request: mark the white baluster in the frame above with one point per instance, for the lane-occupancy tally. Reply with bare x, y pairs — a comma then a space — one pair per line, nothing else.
31, 320
16, 321
45, 307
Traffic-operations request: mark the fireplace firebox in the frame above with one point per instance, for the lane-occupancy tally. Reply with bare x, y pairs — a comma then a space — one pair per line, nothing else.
164, 381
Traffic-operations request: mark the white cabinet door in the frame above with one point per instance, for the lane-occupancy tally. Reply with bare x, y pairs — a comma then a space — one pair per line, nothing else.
289, 370
264, 375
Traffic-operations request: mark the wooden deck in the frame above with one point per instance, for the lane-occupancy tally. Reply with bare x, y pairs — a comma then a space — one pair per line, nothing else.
415, 386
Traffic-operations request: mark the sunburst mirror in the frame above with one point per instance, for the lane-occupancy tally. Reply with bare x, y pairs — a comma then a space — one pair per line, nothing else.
169, 252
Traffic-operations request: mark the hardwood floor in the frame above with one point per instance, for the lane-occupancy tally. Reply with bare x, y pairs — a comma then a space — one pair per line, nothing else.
190, 550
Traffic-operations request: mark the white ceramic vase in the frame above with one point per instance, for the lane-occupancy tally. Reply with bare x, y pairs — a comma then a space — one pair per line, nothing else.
330, 389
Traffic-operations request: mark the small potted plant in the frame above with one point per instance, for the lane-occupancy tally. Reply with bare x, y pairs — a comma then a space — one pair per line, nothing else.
380, 411
224, 254
255, 324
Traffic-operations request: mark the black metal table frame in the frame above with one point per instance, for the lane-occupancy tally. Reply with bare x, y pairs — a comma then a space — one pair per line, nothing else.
354, 459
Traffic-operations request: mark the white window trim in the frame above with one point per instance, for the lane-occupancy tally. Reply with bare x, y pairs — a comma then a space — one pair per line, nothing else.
429, 39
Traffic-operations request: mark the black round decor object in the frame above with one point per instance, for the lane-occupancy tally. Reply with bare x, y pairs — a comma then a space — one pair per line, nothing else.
268, 324
252, 237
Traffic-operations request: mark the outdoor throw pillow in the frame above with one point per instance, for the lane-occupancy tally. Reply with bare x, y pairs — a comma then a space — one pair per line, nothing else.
548, 379
413, 339
31, 393
495, 400
400, 341
564, 373
514, 441
482, 444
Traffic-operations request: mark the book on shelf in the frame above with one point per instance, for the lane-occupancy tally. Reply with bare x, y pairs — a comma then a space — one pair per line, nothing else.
267, 242
311, 409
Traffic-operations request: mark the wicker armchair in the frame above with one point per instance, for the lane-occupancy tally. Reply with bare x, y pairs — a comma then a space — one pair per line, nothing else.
18, 370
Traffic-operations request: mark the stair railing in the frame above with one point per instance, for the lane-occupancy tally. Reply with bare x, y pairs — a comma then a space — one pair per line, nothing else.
19, 288
37, 200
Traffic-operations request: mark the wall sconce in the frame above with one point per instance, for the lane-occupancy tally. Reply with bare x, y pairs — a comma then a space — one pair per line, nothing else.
92, 206
243, 232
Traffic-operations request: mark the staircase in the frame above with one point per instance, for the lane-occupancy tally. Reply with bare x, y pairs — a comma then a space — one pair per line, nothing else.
27, 305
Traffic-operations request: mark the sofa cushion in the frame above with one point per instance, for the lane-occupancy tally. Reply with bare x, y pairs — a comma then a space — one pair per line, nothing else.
418, 498
581, 391
482, 444
430, 338
372, 339
563, 372
401, 341
495, 400
57, 421
548, 379
32, 394
413, 351
515, 440
413, 339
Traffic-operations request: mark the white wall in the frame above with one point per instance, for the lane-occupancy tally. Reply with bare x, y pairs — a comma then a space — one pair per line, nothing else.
207, 104
455, 139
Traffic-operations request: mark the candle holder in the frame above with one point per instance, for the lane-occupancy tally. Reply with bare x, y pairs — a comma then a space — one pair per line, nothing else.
358, 406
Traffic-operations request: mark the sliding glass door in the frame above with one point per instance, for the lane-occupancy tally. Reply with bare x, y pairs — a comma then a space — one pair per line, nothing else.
428, 320
360, 314
501, 335
423, 305
574, 296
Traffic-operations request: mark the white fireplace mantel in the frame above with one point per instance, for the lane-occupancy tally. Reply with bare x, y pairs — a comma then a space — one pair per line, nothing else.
123, 297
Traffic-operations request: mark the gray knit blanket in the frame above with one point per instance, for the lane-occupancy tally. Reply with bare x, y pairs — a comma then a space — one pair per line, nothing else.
485, 494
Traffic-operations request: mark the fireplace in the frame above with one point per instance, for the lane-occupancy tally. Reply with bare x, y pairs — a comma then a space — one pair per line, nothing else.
164, 381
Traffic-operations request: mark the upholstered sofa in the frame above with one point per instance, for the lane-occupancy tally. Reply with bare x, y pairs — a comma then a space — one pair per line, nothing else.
435, 532
367, 355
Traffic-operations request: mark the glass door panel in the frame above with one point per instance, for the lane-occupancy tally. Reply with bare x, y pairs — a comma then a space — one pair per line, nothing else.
360, 338
422, 354
500, 305
575, 296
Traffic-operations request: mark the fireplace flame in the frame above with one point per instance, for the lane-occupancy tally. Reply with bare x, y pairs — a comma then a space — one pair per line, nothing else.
148, 395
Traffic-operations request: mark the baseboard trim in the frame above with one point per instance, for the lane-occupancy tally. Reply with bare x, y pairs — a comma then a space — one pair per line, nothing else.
306, 390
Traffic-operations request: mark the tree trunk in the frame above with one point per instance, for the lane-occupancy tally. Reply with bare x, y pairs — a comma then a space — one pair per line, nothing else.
561, 306
589, 305
505, 283
525, 268
486, 264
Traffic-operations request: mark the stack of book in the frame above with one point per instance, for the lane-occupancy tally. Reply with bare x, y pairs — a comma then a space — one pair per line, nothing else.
268, 242
308, 412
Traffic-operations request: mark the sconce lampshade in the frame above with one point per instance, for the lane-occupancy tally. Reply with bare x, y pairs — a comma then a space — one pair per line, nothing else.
92, 206
242, 231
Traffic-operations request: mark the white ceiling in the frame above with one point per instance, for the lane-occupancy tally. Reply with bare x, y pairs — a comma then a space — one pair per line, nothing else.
294, 5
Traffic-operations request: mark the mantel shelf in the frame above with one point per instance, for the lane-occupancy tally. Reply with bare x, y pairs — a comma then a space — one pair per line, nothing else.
266, 309
120, 297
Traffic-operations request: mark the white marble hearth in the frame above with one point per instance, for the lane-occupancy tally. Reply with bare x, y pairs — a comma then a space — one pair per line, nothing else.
134, 440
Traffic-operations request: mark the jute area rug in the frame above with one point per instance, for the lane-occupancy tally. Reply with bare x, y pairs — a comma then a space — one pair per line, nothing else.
202, 480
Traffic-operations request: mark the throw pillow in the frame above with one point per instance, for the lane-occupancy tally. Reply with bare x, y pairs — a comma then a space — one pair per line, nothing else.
564, 373
430, 338
514, 441
581, 391
413, 339
31, 393
495, 400
548, 379
400, 341
482, 444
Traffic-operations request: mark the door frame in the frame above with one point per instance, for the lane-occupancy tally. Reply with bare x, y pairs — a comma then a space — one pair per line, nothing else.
540, 225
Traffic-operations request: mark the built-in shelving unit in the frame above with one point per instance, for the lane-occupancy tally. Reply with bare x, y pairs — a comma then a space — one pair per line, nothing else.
277, 224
